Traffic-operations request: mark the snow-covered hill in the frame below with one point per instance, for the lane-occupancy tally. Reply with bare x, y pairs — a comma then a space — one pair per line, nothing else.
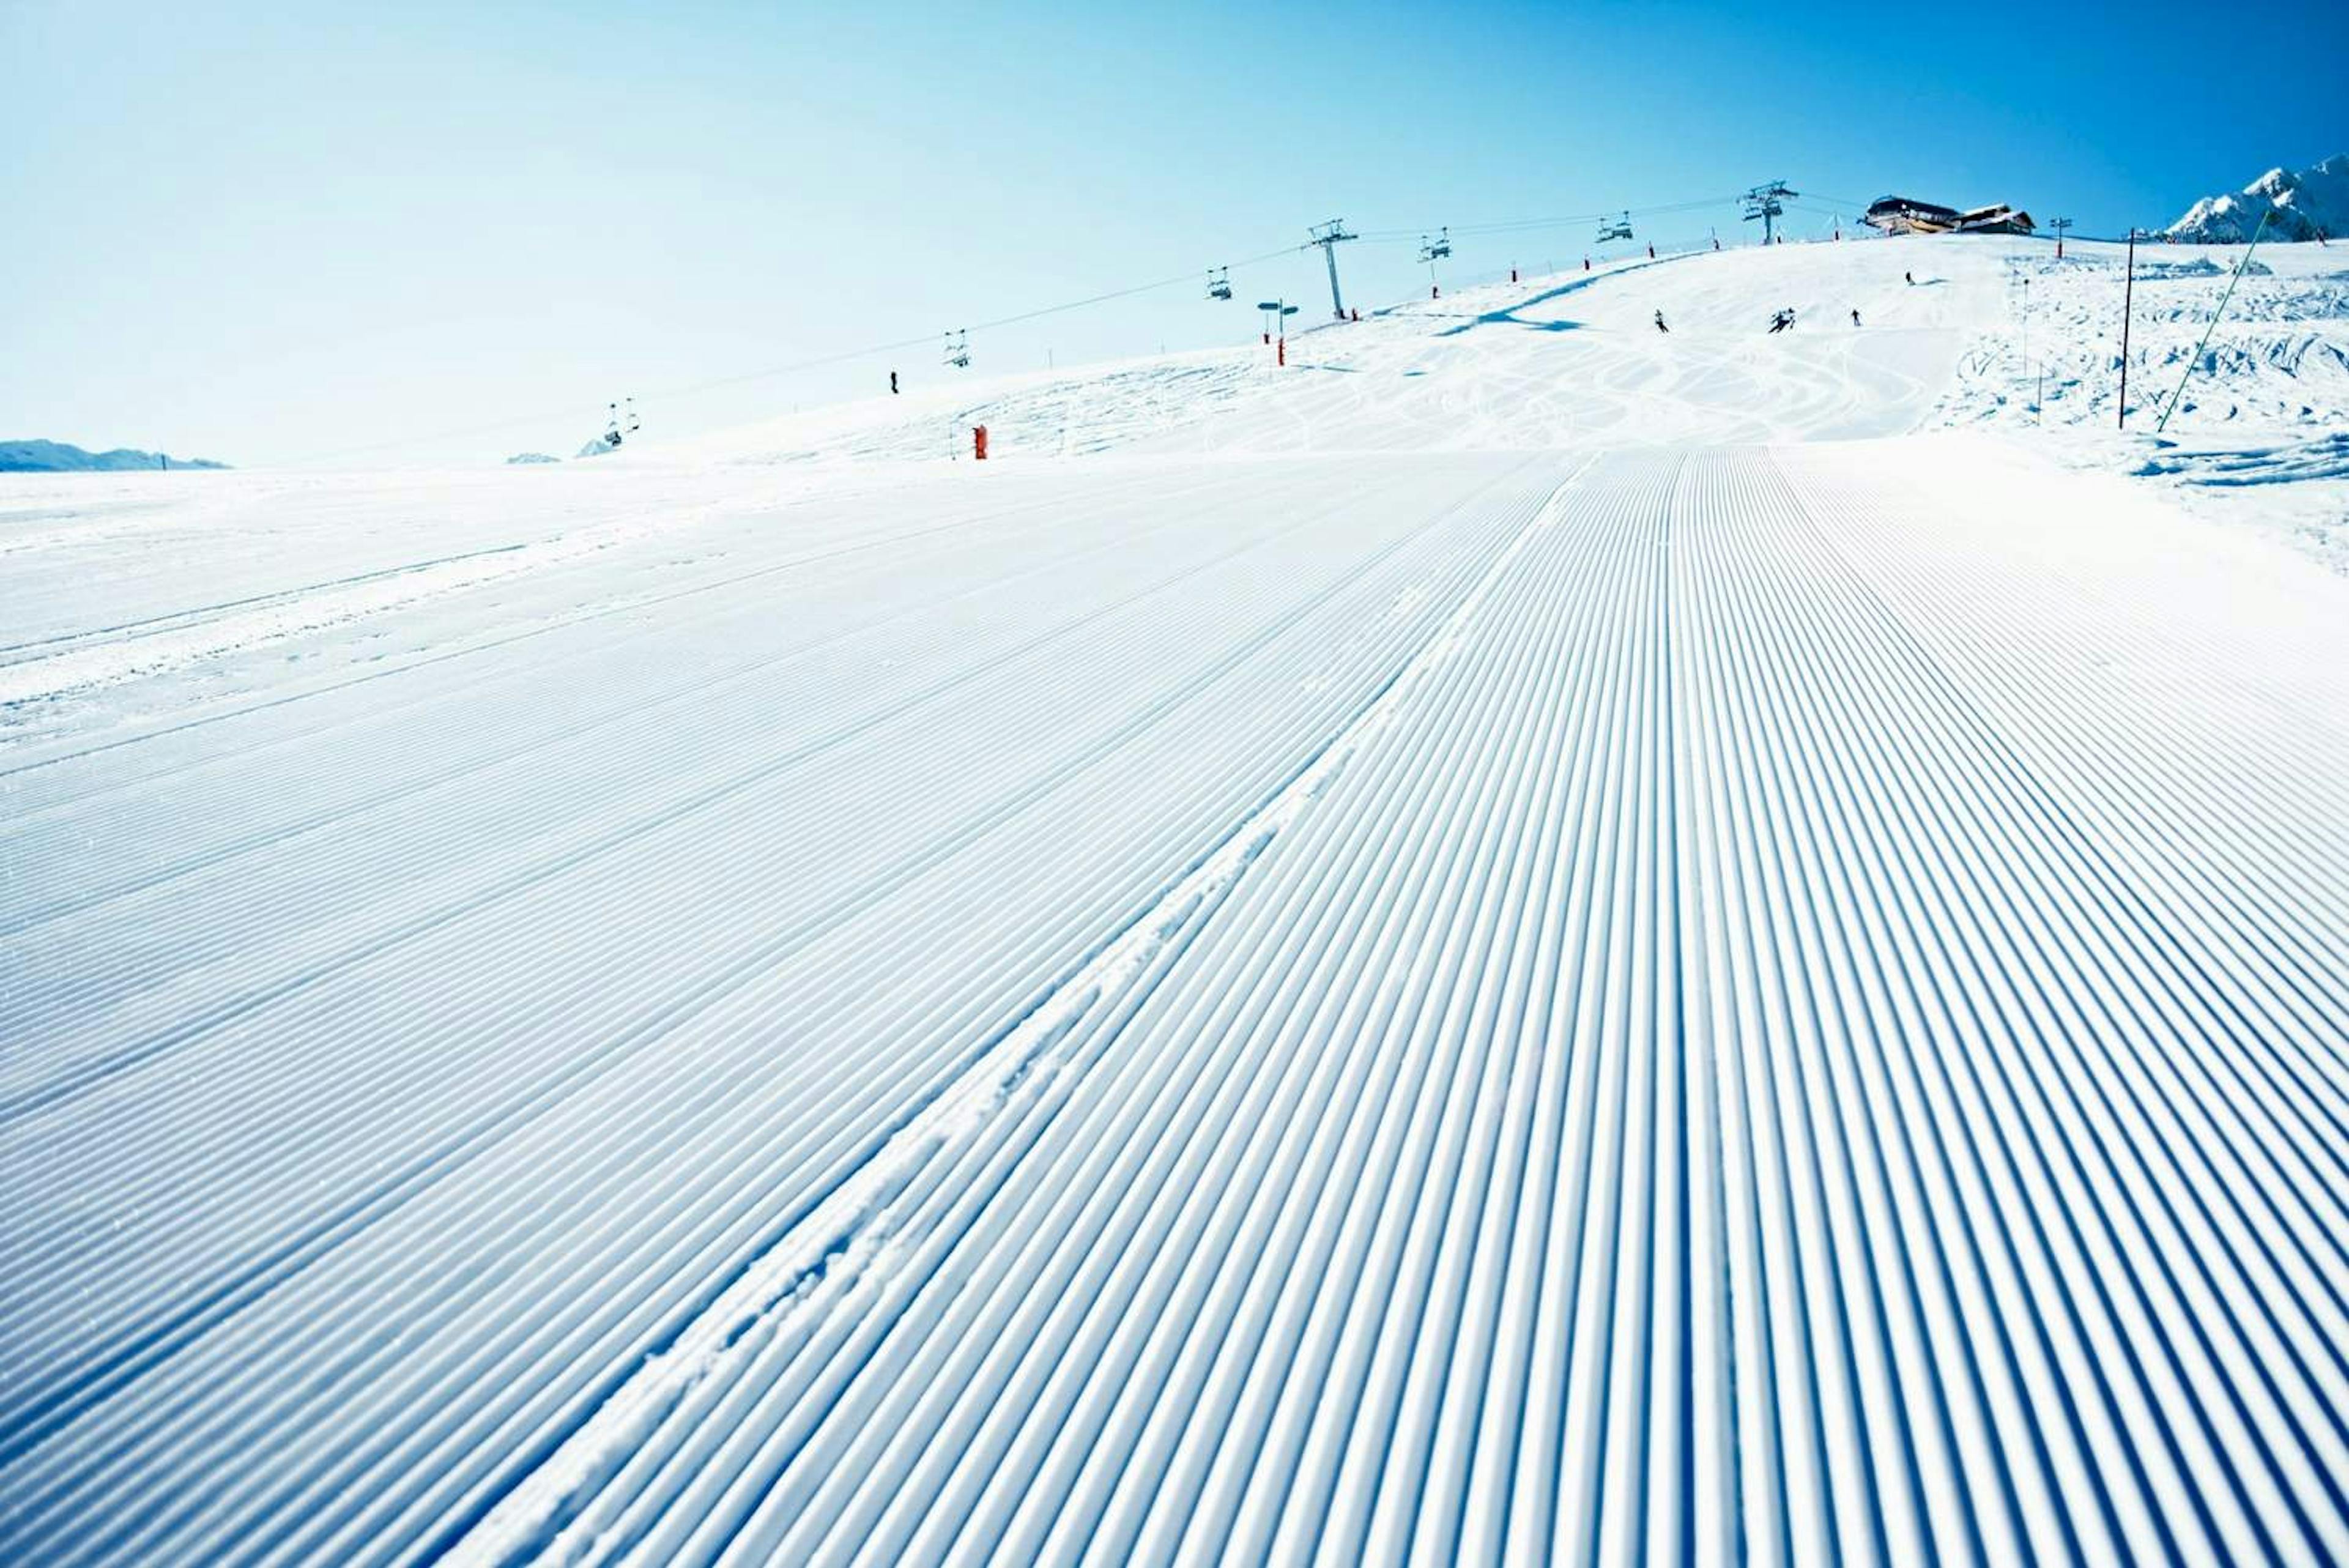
1992, 333
2312, 203
1526, 939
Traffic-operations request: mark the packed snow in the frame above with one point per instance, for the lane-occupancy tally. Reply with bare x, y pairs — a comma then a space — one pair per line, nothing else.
1527, 938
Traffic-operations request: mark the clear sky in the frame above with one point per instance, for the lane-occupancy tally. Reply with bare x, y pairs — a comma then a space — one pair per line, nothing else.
273, 233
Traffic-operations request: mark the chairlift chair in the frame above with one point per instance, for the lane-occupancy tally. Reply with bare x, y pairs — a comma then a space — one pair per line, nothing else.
1621, 229
957, 349
1436, 248
1219, 283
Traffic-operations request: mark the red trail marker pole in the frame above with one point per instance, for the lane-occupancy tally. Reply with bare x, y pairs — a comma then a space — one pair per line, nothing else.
979, 442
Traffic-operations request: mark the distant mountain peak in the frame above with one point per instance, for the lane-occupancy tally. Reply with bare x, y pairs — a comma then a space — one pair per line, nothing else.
64, 457
2311, 203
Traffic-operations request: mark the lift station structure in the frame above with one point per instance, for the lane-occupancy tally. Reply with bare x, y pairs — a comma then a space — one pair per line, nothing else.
1763, 202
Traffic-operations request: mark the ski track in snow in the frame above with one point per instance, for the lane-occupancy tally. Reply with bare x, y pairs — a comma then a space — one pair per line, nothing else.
1454, 969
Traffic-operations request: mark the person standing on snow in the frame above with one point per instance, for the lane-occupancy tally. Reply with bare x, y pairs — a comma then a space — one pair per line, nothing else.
1660, 322
1855, 316
892, 383
1910, 279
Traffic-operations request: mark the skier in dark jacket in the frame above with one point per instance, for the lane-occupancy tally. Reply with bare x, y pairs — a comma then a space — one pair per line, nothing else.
1782, 321
1660, 322
892, 383
1855, 316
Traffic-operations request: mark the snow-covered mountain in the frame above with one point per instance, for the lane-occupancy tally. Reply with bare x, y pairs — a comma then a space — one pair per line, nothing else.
2313, 203
64, 457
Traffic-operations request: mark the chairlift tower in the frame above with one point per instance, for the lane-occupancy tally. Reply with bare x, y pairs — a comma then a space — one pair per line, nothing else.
1763, 202
1329, 236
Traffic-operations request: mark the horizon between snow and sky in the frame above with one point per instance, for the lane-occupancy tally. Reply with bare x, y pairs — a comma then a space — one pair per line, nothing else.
283, 234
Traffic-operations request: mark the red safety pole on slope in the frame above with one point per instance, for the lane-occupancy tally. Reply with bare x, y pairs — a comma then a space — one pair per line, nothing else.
1586, 263
979, 442
1280, 355
1513, 275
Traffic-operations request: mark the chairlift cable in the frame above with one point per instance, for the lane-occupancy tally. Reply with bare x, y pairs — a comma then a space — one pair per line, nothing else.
845, 356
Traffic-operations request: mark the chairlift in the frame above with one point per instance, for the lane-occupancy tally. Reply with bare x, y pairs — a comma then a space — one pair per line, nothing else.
1619, 229
1219, 283
957, 349
1430, 250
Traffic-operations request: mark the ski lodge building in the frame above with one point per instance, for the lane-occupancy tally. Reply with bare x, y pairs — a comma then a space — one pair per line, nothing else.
1903, 215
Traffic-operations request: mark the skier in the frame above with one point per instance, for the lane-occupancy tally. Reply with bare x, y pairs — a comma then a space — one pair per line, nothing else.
1660, 322
892, 383
1782, 320
1910, 279
1855, 316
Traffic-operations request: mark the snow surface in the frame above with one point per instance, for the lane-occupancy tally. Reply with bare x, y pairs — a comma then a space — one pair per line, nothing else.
1527, 941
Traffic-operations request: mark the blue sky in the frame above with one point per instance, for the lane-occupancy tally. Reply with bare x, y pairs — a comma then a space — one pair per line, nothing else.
273, 233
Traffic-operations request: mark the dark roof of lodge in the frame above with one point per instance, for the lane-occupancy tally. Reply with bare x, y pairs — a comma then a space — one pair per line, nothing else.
1911, 204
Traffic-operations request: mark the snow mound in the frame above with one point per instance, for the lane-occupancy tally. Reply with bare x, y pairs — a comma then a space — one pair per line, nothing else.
2311, 204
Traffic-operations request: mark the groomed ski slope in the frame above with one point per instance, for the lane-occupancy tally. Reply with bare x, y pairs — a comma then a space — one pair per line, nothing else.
1672, 993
